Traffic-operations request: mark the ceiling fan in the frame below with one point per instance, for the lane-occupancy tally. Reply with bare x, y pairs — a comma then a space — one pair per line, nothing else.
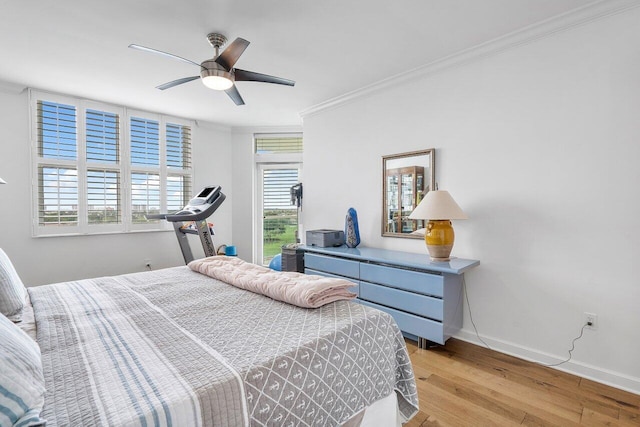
218, 72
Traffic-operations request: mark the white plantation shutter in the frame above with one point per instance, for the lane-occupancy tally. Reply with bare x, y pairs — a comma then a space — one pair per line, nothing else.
57, 196
102, 134
88, 172
57, 173
178, 146
103, 196
145, 196
103, 137
179, 192
57, 131
145, 164
145, 142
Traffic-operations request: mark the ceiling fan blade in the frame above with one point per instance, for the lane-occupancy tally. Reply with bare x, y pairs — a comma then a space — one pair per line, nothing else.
250, 76
235, 95
159, 52
177, 82
230, 56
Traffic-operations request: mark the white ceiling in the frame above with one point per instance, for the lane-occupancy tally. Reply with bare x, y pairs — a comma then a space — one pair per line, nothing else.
329, 47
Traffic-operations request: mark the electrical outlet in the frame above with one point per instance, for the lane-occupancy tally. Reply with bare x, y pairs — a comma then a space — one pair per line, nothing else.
591, 320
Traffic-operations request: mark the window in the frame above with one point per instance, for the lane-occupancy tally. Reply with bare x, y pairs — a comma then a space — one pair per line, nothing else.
279, 167
101, 168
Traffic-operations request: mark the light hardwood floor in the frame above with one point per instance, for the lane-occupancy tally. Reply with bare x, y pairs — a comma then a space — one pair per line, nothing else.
461, 384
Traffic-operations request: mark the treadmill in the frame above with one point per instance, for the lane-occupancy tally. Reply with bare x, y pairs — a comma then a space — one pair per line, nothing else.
198, 210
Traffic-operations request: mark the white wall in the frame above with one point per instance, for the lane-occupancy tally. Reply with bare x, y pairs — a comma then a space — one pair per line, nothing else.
244, 198
540, 146
55, 259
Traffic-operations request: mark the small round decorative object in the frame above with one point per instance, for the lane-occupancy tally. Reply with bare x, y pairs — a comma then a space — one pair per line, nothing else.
276, 263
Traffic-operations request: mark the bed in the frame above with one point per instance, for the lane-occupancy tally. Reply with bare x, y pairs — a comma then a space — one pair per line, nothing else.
176, 347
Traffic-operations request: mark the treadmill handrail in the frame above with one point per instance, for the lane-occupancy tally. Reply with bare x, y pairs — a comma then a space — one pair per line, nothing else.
156, 216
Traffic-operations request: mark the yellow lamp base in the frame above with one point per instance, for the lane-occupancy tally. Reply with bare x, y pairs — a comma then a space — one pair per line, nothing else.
439, 239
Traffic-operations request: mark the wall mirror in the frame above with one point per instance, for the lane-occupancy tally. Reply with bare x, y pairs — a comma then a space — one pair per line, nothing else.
406, 178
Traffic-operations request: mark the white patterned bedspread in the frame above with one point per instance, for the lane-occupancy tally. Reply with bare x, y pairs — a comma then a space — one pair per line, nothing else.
174, 347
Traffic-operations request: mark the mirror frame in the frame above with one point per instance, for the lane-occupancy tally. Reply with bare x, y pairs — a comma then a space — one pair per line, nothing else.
431, 152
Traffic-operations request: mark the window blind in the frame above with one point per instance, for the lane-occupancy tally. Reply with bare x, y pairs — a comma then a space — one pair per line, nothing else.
178, 146
58, 196
145, 196
103, 137
178, 192
276, 188
145, 142
279, 144
103, 196
57, 131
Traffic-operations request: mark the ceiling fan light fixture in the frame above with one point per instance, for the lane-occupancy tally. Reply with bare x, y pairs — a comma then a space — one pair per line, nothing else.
214, 76
217, 82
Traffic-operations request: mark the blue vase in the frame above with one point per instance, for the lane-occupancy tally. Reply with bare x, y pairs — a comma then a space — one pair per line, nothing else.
351, 231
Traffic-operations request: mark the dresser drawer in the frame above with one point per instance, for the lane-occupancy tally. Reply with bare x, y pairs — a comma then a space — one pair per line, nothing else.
421, 305
341, 267
412, 324
414, 281
354, 289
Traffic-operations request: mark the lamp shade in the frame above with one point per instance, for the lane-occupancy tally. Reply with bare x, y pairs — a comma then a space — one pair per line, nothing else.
438, 204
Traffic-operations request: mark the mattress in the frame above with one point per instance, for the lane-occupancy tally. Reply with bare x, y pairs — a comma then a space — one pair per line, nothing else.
174, 347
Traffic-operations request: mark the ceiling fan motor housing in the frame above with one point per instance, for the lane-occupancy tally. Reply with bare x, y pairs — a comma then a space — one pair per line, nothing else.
211, 68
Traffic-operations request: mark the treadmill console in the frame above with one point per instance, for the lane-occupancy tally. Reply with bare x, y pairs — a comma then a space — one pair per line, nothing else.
201, 206
206, 196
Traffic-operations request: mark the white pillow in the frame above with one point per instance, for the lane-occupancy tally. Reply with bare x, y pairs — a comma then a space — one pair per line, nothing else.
21, 380
12, 290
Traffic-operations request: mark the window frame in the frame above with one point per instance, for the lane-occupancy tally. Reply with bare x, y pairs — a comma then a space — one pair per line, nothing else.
262, 161
123, 167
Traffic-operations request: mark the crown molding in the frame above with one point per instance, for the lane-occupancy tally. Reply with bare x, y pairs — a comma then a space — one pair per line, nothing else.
9, 87
568, 20
266, 129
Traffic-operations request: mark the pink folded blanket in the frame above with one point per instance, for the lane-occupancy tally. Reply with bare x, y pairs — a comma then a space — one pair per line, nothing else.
307, 291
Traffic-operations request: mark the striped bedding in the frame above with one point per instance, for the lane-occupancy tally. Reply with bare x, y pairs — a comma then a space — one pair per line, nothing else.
176, 348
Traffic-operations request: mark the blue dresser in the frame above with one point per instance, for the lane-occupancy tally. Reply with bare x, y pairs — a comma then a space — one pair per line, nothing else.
424, 297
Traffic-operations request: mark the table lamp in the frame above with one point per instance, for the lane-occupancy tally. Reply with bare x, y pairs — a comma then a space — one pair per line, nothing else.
439, 208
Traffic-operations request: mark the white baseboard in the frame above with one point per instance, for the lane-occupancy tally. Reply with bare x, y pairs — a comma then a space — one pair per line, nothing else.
604, 376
